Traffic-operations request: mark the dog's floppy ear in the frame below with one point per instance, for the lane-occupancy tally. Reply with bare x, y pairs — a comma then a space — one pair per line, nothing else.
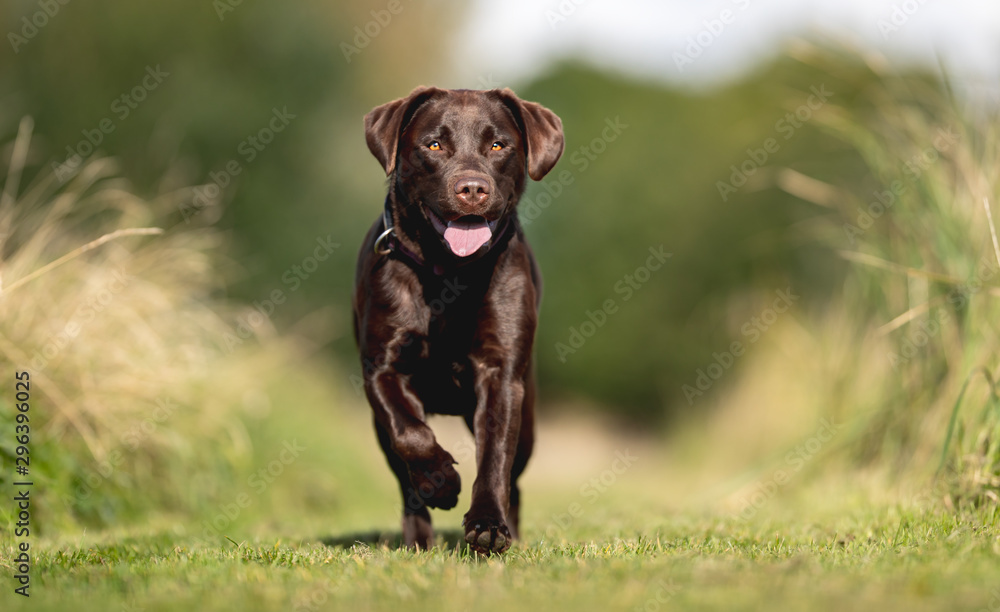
383, 124
542, 129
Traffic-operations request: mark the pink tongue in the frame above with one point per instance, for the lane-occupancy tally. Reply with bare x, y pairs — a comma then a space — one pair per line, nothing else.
466, 237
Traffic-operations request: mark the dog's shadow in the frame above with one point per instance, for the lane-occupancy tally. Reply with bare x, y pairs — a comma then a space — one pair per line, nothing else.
447, 539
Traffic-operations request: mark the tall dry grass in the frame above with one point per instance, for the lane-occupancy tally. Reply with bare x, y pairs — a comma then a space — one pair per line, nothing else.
923, 294
116, 317
905, 355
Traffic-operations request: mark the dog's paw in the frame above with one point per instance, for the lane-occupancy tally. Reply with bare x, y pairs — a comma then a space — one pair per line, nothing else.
436, 483
487, 535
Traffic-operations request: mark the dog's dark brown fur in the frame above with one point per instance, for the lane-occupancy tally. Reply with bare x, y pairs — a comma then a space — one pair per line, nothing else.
445, 334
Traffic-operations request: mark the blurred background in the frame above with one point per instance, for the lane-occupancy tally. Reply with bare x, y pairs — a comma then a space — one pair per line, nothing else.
821, 175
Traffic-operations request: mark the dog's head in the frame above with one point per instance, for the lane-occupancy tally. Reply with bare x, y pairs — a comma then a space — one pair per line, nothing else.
462, 156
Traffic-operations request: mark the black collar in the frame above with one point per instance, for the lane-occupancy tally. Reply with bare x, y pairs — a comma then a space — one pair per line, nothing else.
387, 243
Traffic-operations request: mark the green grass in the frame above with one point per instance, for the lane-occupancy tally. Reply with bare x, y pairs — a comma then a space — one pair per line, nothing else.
886, 560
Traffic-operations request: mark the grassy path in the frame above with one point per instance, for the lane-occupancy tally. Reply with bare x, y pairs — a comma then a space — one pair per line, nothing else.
891, 562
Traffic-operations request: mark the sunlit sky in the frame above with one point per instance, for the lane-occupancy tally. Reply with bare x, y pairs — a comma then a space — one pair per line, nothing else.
514, 40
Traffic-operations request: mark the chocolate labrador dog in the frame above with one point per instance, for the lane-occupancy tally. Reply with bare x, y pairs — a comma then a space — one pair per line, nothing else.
446, 298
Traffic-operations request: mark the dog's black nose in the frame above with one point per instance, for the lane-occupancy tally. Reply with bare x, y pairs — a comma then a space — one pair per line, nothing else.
472, 191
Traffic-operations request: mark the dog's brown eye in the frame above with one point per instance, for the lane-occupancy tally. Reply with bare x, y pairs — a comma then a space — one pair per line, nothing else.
434, 146
497, 146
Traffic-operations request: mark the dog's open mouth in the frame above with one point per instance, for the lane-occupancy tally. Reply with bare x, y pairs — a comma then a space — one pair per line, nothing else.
464, 235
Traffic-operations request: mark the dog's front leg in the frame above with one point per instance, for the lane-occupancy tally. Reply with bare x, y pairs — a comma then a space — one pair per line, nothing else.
425, 471
497, 426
